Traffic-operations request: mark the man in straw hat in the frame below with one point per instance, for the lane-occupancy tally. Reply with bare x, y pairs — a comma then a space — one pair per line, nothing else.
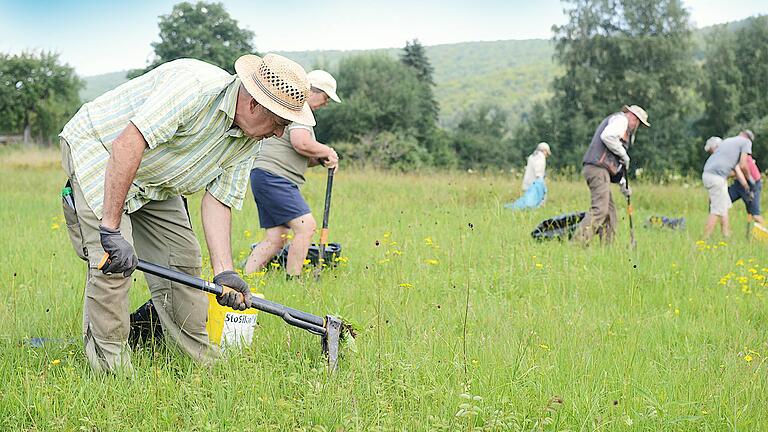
131, 155
607, 161
277, 175
730, 158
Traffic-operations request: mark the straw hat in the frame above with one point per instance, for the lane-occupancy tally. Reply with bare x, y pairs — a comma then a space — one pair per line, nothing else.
324, 81
712, 144
544, 147
278, 84
638, 112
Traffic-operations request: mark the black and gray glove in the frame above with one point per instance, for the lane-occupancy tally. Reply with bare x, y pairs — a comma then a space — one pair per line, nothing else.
121, 258
229, 278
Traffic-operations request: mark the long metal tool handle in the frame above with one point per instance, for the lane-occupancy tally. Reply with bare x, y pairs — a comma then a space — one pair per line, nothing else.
327, 209
312, 323
632, 240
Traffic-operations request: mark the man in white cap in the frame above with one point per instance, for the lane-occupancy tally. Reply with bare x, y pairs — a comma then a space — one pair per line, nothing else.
730, 158
607, 161
537, 165
277, 175
131, 155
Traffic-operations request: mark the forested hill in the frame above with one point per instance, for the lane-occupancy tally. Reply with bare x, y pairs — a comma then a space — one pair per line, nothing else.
510, 73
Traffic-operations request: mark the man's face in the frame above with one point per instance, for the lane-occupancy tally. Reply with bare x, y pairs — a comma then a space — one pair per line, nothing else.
634, 122
317, 99
258, 122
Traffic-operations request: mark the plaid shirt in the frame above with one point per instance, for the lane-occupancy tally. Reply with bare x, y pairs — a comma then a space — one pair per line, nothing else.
185, 110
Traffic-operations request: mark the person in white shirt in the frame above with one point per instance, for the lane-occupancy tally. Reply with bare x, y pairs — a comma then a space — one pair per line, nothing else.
537, 165
607, 161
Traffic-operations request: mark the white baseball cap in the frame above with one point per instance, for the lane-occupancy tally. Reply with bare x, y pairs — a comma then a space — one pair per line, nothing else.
544, 147
324, 81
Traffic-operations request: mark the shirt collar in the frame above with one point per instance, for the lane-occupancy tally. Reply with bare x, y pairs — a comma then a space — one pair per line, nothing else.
228, 103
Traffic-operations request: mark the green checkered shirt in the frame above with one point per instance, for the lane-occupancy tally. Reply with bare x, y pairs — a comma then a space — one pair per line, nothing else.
185, 109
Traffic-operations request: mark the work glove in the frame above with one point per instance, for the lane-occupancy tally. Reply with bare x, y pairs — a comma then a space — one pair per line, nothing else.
121, 257
625, 162
625, 189
229, 278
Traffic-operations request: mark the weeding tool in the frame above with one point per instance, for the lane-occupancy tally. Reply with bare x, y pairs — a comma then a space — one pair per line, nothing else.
632, 240
326, 215
329, 328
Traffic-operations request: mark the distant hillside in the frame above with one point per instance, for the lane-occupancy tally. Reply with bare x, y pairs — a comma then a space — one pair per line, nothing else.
97, 84
511, 73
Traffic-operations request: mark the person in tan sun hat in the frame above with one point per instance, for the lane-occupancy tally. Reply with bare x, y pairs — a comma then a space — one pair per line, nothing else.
133, 153
607, 161
277, 176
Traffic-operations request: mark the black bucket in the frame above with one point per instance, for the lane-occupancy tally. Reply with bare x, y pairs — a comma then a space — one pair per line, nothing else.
332, 252
558, 227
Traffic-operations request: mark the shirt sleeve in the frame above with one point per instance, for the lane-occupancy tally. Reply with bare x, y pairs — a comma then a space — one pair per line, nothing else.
747, 147
613, 133
230, 187
171, 103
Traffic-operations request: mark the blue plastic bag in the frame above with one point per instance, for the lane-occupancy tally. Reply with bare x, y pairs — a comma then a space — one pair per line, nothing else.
532, 198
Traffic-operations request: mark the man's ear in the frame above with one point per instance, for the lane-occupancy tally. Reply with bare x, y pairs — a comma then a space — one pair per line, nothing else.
253, 104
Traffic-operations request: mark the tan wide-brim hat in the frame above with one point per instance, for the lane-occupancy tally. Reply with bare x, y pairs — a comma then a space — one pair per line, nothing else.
278, 84
324, 81
638, 112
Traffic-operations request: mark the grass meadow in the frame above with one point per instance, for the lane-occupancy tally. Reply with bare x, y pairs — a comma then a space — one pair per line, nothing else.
465, 322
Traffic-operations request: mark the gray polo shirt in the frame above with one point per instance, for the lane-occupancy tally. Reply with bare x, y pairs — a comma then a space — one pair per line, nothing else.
727, 155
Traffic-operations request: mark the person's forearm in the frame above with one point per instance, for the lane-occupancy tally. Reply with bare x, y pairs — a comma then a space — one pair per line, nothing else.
740, 177
217, 220
613, 143
127, 150
313, 149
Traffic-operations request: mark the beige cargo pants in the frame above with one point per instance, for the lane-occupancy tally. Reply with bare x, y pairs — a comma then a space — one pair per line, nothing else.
161, 233
601, 218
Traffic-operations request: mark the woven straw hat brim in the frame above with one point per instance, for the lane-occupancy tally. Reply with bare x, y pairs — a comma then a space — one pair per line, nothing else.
246, 66
643, 117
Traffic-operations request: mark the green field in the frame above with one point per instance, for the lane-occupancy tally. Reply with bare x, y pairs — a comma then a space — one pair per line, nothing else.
465, 322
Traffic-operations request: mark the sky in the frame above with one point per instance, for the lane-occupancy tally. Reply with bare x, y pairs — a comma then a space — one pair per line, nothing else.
103, 36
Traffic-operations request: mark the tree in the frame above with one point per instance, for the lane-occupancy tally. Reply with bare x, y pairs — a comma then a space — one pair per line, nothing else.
721, 85
204, 31
37, 94
482, 139
415, 57
618, 52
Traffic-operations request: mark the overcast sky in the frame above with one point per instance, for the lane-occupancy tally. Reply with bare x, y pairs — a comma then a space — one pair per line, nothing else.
104, 36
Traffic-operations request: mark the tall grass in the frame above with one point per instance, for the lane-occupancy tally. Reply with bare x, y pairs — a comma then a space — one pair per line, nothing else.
466, 322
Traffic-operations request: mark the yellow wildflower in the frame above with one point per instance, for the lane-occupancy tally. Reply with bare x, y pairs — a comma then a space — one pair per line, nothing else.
740, 262
274, 264
545, 347
677, 311
307, 261
54, 226
55, 362
432, 261
428, 241
748, 358
539, 265
405, 285
247, 233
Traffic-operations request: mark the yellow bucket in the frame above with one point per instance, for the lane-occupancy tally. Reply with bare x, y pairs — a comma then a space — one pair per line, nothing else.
759, 233
228, 327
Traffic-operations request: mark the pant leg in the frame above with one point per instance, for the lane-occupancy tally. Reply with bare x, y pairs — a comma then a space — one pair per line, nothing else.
163, 235
609, 227
594, 221
105, 304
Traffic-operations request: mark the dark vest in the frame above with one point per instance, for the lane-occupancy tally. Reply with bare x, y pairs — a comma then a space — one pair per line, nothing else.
598, 154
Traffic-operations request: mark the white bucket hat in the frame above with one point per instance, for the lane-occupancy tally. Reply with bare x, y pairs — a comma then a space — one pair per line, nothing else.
278, 84
324, 81
544, 147
638, 112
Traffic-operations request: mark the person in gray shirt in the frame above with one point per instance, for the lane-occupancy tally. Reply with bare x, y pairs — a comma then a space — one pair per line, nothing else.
730, 158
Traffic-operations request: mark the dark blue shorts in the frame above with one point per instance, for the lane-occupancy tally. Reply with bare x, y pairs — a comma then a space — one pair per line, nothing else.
277, 199
736, 191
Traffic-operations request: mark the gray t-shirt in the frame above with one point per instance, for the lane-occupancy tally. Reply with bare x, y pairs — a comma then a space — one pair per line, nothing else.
727, 155
277, 156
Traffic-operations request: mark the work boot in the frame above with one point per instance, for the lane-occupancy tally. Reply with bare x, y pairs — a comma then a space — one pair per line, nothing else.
145, 326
